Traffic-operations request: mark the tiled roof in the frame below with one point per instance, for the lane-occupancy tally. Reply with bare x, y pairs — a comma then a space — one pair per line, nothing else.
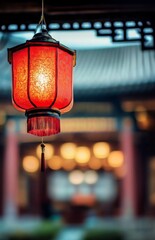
114, 70
99, 71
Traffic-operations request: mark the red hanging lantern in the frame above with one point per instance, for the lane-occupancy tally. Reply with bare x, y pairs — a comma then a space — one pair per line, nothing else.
42, 81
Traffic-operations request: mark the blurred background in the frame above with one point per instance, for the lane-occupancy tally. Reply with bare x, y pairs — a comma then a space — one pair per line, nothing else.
100, 170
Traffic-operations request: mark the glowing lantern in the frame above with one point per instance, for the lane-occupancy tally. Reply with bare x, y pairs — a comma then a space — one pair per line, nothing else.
42, 84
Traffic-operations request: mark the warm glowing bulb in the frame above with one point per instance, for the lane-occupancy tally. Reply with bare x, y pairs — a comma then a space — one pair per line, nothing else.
30, 164
68, 150
90, 177
55, 163
101, 149
76, 177
68, 164
116, 159
42, 79
49, 151
82, 155
95, 163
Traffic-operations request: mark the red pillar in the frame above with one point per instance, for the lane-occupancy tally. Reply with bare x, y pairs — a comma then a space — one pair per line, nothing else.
129, 197
10, 178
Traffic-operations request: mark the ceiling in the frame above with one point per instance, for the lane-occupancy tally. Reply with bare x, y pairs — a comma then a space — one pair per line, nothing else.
29, 11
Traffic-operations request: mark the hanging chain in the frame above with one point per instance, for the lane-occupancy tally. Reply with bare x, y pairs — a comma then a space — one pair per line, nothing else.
41, 26
42, 19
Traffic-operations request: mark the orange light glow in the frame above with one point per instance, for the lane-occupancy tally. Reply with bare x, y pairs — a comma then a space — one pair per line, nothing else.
55, 163
68, 150
101, 149
116, 159
68, 165
95, 163
48, 153
82, 155
30, 164
87, 200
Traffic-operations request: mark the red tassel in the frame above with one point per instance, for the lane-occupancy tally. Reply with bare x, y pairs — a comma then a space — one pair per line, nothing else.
43, 126
43, 163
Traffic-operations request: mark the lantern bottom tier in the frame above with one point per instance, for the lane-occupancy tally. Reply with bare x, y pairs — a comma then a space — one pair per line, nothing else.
43, 122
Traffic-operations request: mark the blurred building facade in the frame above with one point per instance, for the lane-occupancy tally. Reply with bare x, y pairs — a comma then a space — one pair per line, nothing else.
102, 164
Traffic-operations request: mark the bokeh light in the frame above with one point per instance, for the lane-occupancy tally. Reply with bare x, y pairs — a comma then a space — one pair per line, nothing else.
90, 177
116, 159
55, 163
82, 155
101, 149
76, 177
95, 163
49, 151
68, 150
143, 119
30, 164
68, 165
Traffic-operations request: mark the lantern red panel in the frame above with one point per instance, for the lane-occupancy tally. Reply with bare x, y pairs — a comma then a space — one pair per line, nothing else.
42, 79
42, 83
65, 91
19, 80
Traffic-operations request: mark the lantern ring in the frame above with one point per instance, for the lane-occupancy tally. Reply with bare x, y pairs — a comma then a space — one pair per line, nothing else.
42, 112
43, 122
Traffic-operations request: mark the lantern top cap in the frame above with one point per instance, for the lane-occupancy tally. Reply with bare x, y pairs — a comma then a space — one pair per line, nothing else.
41, 38
42, 35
